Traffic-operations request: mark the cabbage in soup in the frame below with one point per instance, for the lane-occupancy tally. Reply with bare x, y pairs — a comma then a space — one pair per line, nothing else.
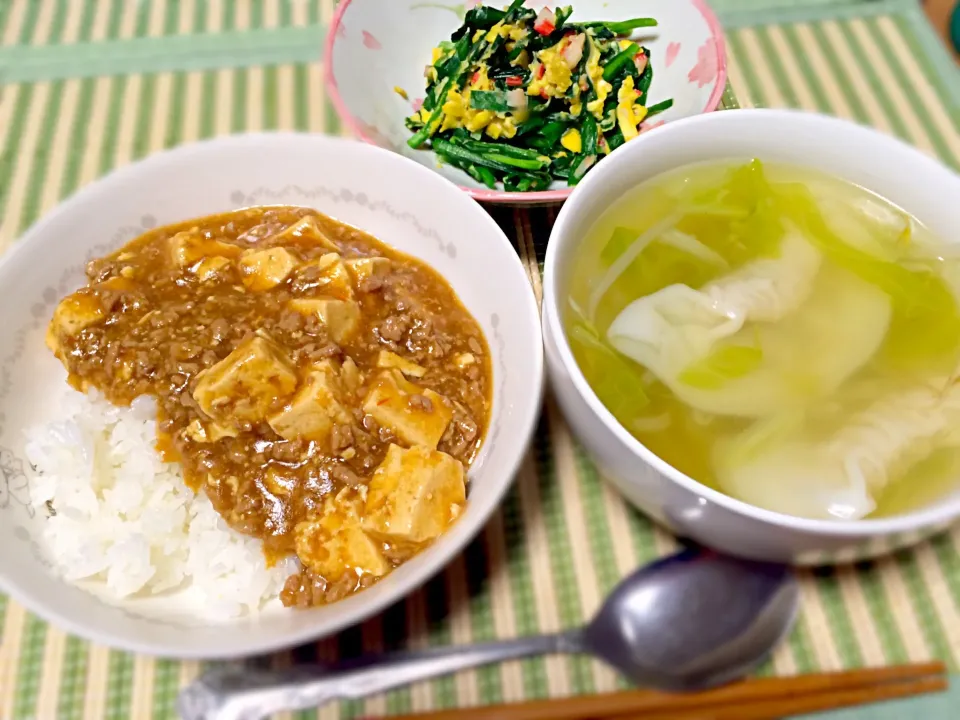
780, 335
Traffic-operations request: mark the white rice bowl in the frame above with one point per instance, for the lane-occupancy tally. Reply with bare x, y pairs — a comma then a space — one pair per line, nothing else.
135, 518
124, 524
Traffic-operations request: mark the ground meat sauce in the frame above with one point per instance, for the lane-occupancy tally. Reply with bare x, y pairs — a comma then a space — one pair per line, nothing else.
325, 391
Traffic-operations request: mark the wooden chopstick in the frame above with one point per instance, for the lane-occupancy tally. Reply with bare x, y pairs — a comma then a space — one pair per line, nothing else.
776, 691
785, 706
775, 709
757, 699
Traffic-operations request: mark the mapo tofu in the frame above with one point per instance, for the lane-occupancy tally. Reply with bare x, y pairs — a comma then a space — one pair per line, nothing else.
326, 392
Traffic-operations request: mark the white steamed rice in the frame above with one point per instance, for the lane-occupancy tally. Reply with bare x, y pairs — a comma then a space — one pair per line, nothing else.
127, 521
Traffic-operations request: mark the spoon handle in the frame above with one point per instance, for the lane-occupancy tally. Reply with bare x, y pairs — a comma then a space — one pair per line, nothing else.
240, 693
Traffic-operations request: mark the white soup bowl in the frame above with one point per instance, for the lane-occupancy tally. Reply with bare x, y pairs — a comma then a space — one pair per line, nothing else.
880, 163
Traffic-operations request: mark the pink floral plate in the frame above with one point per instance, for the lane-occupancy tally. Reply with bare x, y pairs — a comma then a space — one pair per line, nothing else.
375, 46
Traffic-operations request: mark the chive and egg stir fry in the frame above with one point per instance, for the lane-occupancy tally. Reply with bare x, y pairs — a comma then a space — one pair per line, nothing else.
526, 99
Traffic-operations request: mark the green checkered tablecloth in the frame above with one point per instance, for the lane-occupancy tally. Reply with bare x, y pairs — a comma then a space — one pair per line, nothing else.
89, 85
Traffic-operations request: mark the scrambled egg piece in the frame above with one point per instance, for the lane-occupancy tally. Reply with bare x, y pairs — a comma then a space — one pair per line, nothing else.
415, 415
334, 544
629, 114
576, 104
479, 119
414, 496
572, 141
522, 60
244, 385
480, 80
265, 269
556, 77
502, 127
499, 30
596, 106
595, 74
455, 109
458, 113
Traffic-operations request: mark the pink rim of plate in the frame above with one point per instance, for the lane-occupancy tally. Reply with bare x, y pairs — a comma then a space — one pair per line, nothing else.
498, 196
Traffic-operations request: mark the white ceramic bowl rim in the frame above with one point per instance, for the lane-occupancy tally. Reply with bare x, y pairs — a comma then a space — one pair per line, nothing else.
545, 196
356, 608
860, 529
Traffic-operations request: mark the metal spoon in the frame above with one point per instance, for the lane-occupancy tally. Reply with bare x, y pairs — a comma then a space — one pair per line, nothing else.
688, 622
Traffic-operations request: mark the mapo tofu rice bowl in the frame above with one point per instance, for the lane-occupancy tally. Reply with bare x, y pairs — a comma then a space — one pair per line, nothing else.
244, 407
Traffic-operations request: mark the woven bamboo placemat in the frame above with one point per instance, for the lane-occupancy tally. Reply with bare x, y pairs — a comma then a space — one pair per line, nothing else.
89, 85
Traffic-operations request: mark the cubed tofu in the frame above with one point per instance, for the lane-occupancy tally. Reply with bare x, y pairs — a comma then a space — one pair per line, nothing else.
415, 415
315, 408
335, 544
76, 312
464, 360
341, 317
209, 433
363, 269
350, 376
196, 431
306, 232
209, 268
387, 359
189, 246
414, 496
265, 269
280, 482
118, 283
327, 275
73, 314
244, 386
216, 431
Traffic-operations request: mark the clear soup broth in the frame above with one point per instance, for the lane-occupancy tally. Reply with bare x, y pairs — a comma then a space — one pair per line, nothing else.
777, 334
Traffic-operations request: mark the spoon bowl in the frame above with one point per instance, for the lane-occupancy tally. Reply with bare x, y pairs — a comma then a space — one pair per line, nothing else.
694, 620
688, 622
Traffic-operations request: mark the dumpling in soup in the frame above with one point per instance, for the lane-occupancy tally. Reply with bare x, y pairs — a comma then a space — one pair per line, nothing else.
843, 475
698, 344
